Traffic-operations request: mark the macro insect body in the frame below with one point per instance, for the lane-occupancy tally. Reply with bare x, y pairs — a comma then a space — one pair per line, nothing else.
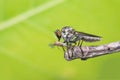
71, 36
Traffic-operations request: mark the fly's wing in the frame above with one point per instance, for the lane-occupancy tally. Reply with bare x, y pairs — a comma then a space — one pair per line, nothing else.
88, 37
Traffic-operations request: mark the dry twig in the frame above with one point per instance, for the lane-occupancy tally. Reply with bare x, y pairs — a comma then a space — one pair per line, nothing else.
74, 52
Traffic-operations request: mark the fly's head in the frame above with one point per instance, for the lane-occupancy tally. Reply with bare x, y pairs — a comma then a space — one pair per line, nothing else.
58, 34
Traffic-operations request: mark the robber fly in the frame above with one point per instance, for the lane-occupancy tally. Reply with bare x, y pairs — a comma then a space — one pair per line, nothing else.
71, 36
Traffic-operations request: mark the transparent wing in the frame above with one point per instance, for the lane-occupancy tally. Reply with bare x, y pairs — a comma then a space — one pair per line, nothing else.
88, 37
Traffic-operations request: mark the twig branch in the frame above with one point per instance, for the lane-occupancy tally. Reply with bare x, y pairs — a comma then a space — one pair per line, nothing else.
74, 52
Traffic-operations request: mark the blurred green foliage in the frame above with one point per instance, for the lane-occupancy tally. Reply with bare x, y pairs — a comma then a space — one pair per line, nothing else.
24, 50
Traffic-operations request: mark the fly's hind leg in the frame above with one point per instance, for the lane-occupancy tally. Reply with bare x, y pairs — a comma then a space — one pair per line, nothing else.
80, 45
82, 58
78, 42
70, 46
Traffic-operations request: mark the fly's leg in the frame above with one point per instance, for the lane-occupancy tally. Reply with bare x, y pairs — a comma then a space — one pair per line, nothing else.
72, 46
80, 44
82, 51
68, 49
63, 48
81, 48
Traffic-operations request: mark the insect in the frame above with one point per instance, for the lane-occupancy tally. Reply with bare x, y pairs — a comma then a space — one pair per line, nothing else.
71, 36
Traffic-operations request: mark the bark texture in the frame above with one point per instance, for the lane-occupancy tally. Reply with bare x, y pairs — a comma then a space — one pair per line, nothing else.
85, 52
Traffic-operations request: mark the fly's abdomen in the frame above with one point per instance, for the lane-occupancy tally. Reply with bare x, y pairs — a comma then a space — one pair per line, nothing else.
91, 39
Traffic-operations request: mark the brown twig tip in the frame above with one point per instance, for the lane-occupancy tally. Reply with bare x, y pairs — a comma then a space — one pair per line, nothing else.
85, 52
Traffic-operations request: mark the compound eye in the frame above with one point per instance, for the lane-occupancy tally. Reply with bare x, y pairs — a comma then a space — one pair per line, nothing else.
59, 33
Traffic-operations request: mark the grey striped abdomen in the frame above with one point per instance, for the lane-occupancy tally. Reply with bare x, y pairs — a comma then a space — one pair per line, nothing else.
90, 39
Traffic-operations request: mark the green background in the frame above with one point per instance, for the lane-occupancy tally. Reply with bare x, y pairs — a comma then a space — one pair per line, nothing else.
24, 50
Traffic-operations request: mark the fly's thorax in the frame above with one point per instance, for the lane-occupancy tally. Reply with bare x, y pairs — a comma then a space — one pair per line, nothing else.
66, 31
